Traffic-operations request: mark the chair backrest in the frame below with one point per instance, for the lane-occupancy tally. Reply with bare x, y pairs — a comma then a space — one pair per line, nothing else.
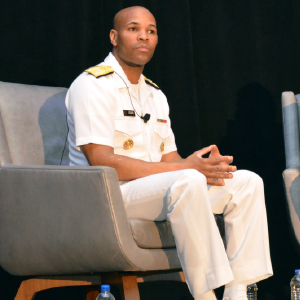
291, 127
33, 126
291, 175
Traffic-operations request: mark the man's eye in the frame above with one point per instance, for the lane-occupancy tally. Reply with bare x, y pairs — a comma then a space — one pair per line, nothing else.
132, 29
151, 31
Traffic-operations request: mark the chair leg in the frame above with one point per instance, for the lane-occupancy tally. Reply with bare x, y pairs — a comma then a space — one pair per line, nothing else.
130, 287
26, 291
127, 284
29, 288
92, 293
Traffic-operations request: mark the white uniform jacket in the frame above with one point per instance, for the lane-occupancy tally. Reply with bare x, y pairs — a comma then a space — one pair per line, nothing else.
97, 114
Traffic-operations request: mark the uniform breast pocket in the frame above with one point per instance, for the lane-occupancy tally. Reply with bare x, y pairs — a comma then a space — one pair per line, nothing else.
128, 134
160, 133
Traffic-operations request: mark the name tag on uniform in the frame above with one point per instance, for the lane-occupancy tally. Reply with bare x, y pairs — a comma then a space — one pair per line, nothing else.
129, 113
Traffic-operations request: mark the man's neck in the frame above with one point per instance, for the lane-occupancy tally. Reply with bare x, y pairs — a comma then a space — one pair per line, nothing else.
133, 73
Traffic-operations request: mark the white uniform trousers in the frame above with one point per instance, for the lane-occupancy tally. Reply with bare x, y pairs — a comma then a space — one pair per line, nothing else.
184, 198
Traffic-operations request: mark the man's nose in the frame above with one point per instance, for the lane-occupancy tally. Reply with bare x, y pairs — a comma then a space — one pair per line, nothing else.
143, 36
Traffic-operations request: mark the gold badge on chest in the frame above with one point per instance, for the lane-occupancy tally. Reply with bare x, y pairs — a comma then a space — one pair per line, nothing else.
162, 147
128, 144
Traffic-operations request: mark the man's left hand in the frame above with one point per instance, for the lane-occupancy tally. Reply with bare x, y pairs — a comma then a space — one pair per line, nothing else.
214, 153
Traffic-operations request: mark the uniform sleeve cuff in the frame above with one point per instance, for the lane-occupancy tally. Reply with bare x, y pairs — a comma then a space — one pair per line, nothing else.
169, 149
94, 140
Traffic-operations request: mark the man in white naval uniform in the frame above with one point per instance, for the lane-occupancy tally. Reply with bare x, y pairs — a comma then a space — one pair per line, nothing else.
118, 118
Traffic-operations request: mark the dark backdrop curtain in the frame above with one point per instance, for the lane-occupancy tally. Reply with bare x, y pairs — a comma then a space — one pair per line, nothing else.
222, 65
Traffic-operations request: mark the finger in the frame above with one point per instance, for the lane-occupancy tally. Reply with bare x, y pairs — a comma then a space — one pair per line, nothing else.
217, 180
214, 151
229, 161
214, 182
221, 159
218, 176
203, 151
222, 168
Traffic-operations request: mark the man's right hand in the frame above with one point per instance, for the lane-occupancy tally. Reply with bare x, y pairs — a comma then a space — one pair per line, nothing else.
215, 168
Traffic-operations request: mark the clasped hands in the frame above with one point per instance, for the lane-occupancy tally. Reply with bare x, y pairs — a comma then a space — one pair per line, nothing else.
215, 168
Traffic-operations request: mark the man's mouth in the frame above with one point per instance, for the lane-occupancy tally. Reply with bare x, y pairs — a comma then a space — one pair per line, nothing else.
143, 48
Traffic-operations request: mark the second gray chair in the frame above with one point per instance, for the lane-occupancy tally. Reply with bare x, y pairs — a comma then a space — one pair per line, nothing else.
291, 176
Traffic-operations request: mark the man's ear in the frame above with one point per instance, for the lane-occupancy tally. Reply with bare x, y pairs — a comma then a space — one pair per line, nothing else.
113, 35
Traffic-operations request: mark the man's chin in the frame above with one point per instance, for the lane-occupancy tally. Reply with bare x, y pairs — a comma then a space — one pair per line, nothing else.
141, 58
138, 62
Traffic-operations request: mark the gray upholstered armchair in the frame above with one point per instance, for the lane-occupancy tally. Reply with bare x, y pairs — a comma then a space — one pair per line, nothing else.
57, 220
291, 176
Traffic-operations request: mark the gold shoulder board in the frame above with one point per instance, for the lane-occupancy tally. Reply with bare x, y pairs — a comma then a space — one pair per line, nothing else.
151, 83
99, 71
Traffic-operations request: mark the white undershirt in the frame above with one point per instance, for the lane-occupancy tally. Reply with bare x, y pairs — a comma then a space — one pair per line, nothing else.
135, 91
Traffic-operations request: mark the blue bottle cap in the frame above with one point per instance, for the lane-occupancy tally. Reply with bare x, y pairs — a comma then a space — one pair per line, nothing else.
297, 271
106, 287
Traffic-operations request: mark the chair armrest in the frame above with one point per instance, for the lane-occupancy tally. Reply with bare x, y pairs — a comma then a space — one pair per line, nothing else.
60, 220
291, 179
291, 130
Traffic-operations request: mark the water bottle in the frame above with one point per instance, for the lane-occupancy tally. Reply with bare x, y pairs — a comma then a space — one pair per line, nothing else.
295, 286
105, 293
252, 291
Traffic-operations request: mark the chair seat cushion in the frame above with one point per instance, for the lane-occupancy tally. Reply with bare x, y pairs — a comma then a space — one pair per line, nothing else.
158, 234
152, 235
